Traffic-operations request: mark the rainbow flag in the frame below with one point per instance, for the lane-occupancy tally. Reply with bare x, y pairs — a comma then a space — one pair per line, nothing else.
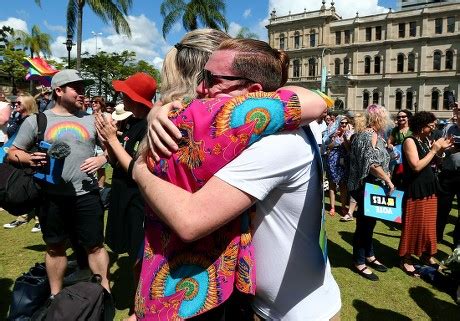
39, 70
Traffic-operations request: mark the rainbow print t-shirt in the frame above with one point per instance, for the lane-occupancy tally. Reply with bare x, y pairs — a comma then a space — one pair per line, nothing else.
79, 133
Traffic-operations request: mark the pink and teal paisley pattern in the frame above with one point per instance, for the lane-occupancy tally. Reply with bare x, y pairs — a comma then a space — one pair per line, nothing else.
181, 280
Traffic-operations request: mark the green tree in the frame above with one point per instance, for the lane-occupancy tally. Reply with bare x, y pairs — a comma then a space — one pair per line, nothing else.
244, 32
11, 66
113, 11
207, 13
36, 42
105, 67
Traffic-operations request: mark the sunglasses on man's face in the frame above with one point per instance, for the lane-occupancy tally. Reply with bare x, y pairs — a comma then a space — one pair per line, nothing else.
401, 117
209, 79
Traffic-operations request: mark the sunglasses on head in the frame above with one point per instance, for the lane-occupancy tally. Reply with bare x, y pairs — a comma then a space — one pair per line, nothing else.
209, 79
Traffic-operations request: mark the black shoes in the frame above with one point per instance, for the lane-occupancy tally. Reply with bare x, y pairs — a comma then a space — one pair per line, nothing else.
371, 276
377, 266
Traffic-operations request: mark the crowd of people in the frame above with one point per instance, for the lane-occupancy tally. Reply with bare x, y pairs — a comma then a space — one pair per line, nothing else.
414, 153
216, 190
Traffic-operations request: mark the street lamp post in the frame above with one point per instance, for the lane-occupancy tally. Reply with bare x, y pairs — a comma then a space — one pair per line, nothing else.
68, 44
324, 70
96, 34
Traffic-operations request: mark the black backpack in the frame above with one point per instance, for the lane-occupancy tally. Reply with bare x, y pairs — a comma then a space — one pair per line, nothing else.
19, 193
81, 301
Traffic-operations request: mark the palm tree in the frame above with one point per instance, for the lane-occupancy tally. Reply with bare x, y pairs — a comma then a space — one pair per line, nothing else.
209, 13
36, 42
113, 11
244, 32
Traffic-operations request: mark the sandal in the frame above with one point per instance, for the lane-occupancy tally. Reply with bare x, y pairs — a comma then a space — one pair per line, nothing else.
404, 268
346, 218
372, 276
332, 212
377, 266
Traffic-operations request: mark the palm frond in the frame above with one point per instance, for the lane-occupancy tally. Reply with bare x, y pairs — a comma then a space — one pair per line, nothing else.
112, 12
72, 13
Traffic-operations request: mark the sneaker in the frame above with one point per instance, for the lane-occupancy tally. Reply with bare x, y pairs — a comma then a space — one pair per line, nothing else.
14, 224
36, 228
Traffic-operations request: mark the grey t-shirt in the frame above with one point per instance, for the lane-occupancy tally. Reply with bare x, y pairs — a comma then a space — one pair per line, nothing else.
452, 160
79, 132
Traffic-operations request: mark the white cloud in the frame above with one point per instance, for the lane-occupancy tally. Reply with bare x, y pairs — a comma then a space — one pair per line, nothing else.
146, 40
15, 23
55, 28
344, 8
247, 13
233, 28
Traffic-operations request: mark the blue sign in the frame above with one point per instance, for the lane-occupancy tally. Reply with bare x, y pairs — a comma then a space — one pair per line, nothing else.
380, 205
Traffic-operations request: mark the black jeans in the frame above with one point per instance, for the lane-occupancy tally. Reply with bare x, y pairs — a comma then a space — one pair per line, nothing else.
449, 187
363, 238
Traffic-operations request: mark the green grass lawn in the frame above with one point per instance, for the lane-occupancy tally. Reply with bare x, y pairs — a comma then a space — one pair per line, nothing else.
395, 297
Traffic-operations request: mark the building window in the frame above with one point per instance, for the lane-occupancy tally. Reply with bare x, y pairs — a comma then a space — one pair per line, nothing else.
435, 100
449, 59
375, 97
437, 60
347, 36
400, 63
365, 99
402, 30
377, 65
368, 34
445, 103
438, 26
398, 100
282, 41
450, 24
296, 69
338, 37
311, 67
409, 100
412, 29
378, 33
338, 104
411, 62
297, 40
367, 65
346, 66
312, 39
337, 67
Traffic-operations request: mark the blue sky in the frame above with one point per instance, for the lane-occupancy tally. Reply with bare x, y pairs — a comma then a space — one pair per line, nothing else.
146, 22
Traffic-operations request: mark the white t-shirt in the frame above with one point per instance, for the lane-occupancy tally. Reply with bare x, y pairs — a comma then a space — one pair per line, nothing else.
293, 281
318, 129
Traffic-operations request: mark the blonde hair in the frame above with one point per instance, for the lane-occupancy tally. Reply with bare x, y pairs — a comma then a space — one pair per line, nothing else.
377, 116
183, 63
359, 122
29, 104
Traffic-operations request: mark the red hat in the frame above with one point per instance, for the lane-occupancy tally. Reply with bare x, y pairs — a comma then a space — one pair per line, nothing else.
139, 87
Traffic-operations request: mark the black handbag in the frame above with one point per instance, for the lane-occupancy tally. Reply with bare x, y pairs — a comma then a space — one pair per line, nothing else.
19, 193
30, 292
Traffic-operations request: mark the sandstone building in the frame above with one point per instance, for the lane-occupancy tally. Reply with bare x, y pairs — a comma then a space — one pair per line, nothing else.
401, 59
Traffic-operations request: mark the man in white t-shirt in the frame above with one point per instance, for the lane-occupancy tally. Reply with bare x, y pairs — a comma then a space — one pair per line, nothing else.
318, 127
281, 176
